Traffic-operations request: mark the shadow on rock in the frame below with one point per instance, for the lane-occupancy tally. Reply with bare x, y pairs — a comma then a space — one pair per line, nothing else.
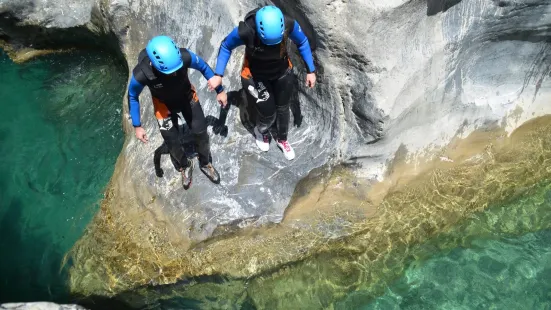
436, 6
245, 102
171, 296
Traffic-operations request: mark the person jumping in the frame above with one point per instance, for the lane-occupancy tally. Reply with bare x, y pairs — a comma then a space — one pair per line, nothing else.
264, 32
163, 67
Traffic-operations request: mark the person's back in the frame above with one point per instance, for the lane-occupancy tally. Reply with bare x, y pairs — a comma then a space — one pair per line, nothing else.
264, 61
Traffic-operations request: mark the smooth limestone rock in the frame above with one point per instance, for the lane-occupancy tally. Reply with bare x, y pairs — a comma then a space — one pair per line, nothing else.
394, 78
39, 306
255, 187
435, 77
479, 64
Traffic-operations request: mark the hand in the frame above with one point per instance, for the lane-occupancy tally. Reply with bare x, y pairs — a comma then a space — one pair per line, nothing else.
222, 98
214, 82
311, 80
140, 134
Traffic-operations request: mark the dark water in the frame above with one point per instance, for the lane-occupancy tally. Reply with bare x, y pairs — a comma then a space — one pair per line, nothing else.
60, 135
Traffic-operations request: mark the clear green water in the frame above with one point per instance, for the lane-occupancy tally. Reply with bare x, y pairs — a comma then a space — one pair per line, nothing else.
510, 273
498, 259
60, 135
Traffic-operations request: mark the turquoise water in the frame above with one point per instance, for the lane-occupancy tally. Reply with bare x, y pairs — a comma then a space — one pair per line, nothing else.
60, 135
496, 259
510, 273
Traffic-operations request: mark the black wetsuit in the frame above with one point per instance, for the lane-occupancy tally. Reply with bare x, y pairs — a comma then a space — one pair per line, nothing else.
174, 99
268, 68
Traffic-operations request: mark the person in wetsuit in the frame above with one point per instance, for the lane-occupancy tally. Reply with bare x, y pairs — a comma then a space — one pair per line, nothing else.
264, 32
163, 67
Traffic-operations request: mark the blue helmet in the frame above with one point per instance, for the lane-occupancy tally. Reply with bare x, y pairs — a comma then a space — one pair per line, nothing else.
270, 25
164, 54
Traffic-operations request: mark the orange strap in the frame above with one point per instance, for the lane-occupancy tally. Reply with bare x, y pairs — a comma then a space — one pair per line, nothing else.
246, 70
161, 110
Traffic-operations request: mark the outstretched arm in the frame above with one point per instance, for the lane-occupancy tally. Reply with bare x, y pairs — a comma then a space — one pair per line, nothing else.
198, 63
303, 47
228, 44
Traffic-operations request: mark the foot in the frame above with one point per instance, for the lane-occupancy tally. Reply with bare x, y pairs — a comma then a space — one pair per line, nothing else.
287, 149
262, 141
211, 173
187, 174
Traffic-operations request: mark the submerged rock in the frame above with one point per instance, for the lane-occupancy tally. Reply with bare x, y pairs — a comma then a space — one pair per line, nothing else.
395, 78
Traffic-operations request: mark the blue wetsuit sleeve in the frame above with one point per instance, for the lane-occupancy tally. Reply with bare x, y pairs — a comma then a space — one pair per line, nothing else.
303, 46
134, 91
230, 42
198, 63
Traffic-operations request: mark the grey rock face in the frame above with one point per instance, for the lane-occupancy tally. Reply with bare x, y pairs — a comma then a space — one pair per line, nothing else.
255, 186
474, 66
39, 306
49, 13
390, 73
55, 24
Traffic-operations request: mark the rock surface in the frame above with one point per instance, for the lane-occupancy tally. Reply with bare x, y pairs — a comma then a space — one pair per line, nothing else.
39, 306
395, 77
55, 24
425, 78
255, 187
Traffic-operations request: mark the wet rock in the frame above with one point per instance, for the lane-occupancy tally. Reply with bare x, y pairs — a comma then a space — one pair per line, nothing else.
39, 306
437, 6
